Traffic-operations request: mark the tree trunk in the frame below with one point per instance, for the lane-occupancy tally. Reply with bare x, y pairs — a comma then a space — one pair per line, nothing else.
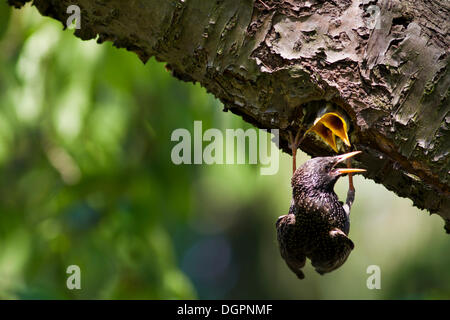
383, 62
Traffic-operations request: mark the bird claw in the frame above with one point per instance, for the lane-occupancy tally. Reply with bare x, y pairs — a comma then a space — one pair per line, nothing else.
294, 143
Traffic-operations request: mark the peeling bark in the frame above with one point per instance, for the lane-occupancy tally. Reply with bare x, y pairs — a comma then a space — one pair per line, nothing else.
273, 61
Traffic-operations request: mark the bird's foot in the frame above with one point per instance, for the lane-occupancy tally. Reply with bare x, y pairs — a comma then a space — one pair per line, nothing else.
294, 143
349, 201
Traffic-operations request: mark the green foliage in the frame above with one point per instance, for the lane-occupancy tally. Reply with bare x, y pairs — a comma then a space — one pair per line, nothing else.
86, 179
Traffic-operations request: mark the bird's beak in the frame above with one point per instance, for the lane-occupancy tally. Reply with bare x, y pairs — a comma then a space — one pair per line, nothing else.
325, 133
349, 170
328, 126
341, 158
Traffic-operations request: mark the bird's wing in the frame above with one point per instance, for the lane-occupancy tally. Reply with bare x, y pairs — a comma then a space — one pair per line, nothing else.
338, 248
289, 248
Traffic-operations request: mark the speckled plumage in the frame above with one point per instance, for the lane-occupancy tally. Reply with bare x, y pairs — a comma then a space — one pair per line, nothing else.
317, 224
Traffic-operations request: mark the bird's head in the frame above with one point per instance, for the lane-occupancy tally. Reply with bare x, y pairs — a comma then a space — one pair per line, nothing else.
321, 173
330, 125
328, 121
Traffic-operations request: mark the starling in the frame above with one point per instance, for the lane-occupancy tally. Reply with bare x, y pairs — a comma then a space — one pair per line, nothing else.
327, 122
330, 125
318, 223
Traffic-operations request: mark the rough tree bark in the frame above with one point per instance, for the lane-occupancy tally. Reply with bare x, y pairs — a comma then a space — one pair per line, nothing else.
266, 60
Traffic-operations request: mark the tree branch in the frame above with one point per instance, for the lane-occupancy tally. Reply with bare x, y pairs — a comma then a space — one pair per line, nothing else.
272, 61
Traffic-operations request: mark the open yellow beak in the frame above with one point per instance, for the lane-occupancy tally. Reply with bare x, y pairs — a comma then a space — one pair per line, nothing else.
330, 125
325, 133
342, 158
349, 170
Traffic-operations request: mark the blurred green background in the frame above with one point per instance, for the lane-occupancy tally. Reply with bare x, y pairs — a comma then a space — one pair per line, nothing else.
87, 179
